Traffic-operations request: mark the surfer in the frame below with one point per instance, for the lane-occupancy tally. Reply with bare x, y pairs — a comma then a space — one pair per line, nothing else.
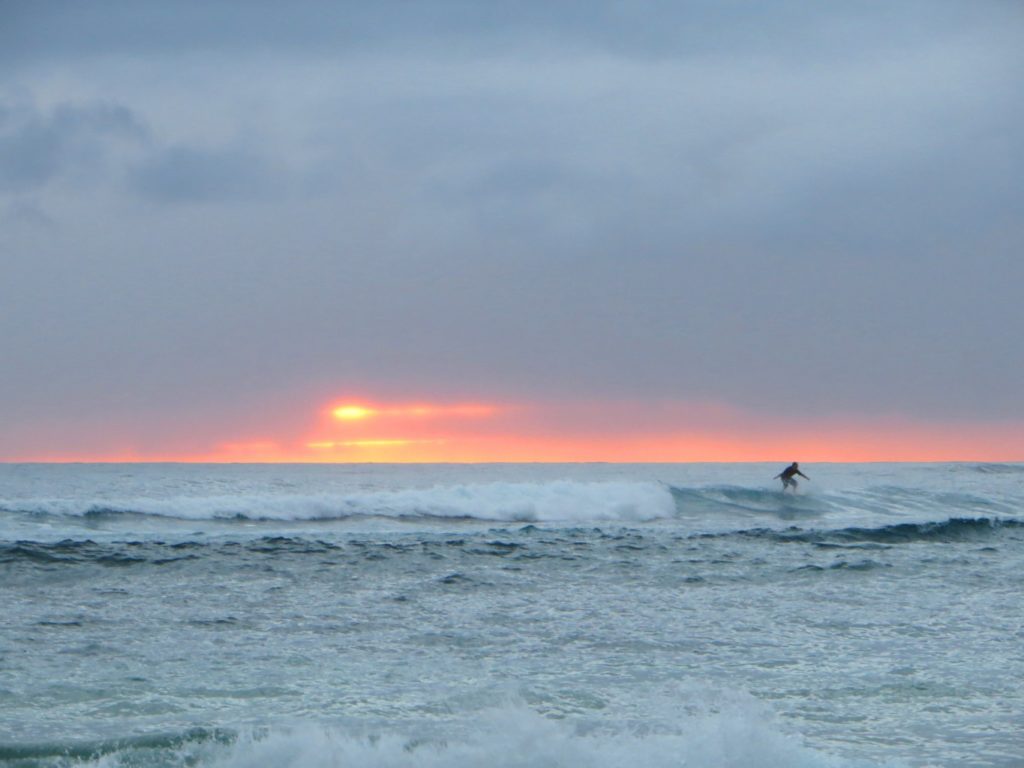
788, 481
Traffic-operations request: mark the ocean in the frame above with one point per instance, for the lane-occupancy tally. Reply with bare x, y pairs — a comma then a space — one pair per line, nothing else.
554, 616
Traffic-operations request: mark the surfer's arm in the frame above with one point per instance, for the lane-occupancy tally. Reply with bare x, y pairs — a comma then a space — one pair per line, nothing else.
805, 477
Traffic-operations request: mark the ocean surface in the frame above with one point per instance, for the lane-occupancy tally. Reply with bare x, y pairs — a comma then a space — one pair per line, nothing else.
554, 616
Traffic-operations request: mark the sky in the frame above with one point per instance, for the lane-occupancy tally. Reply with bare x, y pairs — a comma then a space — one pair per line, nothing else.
614, 230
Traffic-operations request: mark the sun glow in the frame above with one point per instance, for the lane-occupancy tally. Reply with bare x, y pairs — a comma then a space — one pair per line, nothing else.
352, 412
369, 443
364, 429
360, 429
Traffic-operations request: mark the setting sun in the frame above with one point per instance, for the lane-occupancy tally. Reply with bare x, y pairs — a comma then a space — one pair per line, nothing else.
352, 412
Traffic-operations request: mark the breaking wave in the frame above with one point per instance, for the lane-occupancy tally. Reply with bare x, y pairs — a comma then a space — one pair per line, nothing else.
564, 501
561, 501
730, 734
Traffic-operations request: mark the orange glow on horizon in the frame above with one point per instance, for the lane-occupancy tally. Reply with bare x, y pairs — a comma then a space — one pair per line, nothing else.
369, 443
697, 448
355, 412
361, 430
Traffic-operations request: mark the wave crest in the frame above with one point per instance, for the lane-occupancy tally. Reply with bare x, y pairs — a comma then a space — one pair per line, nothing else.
732, 734
955, 529
562, 501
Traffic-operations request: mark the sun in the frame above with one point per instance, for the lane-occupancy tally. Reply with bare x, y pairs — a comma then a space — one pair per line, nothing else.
352, 412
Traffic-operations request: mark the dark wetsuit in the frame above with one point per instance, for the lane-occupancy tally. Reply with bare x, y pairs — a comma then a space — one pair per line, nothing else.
787, 475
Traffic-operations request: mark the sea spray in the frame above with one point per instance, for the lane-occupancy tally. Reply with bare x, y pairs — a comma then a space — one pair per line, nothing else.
728, 731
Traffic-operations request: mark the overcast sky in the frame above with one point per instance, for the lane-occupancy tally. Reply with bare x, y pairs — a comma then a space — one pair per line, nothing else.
218, 214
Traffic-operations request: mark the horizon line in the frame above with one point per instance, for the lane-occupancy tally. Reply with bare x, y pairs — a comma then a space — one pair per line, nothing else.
468, 463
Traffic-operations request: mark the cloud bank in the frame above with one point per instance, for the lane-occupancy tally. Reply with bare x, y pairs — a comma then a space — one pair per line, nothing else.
212, 214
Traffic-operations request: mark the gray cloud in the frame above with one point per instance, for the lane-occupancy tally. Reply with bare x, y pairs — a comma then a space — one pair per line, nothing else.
636, 28
92, 145
70, 141
804, 210
25, 212
182, 173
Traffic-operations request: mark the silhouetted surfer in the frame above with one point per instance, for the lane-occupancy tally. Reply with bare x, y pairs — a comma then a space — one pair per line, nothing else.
788, 481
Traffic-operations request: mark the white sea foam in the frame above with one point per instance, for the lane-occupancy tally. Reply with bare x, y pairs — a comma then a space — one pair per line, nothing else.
52, 501
562, 501
519, 738
736, 733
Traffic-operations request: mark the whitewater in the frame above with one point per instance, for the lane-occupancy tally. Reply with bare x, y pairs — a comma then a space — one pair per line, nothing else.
504, 615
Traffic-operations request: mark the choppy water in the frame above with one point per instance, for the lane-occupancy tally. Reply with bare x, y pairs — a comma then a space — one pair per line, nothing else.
511, 615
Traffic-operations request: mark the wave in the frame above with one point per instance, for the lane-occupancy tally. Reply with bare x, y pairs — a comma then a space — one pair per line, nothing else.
117, 554
562, 501
889, 500
998, 469
950, 531
113, 752
749, 501
729, 735
123, 554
